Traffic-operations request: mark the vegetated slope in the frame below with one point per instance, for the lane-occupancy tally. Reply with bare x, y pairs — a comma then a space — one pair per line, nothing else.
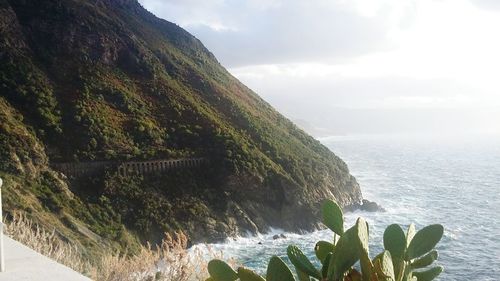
88, 80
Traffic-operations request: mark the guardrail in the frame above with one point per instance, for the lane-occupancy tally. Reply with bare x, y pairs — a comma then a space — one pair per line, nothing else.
76, 169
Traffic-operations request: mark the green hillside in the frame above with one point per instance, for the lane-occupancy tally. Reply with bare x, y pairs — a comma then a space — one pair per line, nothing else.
93, 80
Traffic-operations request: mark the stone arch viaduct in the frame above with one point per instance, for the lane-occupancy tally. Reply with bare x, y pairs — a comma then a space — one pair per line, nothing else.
76, 169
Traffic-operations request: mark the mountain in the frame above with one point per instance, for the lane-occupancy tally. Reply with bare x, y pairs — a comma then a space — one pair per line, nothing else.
105, 80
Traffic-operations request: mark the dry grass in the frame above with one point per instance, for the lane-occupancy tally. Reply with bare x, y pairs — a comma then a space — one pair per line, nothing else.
47, 243
170, 261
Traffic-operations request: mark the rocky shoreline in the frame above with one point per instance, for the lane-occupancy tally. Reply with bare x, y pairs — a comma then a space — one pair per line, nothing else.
365, 205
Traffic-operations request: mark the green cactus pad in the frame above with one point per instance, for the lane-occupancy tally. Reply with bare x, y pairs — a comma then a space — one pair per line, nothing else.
428, 274
277, 270
364, 254
395, 240
221, 271
377, 257
346, 254
322, 249
363, 235
248, 275
425, 260
301, 262
384, 267
302, 275
333, 217
410, 234
326, 263
424, 241
395, 243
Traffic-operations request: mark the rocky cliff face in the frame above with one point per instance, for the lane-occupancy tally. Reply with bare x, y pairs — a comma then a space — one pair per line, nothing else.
92, 80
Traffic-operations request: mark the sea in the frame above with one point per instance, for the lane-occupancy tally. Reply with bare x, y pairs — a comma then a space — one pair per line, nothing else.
454, 181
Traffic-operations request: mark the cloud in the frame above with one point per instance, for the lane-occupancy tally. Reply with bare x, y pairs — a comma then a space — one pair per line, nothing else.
322, 97
487, 4
302, 93
257, 31
357, 66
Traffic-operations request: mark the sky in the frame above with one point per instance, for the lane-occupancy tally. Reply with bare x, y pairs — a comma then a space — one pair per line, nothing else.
347, 67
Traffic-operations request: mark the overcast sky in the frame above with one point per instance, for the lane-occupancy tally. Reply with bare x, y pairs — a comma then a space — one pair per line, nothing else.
358, 66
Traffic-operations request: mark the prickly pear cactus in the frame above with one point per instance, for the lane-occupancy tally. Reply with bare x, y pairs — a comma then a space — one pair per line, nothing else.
395, 243
406, 257
429, 274
384, 268
424, 241
364, 252
301, 262
333, 217
346, 254
426, 260
277, 270
221, 271
248, 275
322, 249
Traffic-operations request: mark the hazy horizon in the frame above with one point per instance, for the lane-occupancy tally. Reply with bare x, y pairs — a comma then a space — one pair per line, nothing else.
358, 67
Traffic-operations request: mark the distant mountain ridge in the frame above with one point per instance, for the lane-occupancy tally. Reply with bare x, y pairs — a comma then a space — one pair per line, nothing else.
101, 80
